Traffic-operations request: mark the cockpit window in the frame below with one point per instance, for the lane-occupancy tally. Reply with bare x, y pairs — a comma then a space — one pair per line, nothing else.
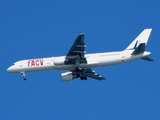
13, 64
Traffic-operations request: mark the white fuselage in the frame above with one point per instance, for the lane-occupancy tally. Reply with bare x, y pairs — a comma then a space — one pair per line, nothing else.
57, 63
80, 64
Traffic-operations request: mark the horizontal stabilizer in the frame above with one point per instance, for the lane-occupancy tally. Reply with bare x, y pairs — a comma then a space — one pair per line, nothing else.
147, 59
140, 49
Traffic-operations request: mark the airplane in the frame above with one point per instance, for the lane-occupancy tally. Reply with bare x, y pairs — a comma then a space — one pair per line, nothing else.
79, 65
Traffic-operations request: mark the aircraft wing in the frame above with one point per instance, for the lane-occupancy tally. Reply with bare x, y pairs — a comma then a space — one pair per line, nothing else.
89, 73
76, 53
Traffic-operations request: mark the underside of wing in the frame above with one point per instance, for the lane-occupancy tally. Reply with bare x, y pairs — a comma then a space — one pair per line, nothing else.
76, 53
88, 73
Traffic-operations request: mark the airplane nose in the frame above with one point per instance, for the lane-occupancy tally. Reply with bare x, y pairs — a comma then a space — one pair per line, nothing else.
9, 69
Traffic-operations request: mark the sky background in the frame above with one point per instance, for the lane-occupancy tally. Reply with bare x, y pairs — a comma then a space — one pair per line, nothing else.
38, 29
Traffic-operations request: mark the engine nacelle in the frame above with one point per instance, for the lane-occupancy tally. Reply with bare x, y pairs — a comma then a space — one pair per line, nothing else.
59, 61
68, 76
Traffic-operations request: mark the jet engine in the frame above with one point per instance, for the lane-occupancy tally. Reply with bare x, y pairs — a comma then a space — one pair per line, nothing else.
68, 76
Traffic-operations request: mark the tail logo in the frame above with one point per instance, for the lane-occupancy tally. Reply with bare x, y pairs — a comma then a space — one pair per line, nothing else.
135, 46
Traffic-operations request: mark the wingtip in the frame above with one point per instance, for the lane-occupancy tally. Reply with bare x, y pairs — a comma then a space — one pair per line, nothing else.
82, 34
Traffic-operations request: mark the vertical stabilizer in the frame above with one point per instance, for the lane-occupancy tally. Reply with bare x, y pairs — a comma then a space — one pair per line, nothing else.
142, 38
